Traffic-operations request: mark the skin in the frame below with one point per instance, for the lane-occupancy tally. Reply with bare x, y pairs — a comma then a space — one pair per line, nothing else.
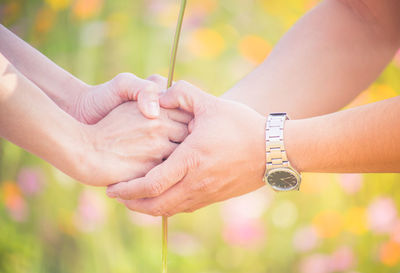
121, 146
85, 102
224, 155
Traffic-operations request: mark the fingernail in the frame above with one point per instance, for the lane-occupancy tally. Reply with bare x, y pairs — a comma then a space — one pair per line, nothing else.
154, 109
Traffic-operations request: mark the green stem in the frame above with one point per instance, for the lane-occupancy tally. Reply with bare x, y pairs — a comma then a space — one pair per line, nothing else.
170, 80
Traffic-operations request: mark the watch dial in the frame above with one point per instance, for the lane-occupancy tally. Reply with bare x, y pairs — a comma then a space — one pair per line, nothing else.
282, 180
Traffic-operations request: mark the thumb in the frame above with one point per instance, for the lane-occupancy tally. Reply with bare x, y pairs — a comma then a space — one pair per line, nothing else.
185, 96
157, 181
129, 87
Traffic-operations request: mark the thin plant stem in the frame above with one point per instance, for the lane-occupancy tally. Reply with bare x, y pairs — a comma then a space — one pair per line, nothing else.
169, 84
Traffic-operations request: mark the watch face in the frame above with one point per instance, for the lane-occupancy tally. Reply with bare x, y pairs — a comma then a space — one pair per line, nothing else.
282, 179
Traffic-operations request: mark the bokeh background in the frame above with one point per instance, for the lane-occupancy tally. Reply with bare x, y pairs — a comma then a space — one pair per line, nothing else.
50, 223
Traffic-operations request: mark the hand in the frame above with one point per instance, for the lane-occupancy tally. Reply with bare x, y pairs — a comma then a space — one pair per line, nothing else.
223, 157
95, 102
125, 145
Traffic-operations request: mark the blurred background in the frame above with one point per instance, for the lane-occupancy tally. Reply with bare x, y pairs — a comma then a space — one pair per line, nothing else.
50, 223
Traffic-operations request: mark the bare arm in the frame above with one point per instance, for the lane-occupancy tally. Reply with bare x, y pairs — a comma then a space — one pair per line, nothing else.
86, 103
58, 84
329, 56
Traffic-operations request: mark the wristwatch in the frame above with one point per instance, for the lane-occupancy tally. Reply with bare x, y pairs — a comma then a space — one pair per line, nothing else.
279, 174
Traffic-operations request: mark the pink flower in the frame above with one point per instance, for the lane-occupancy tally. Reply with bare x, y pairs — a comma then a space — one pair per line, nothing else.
382, 215
342, 260
183, 244
91, 212
305, 239
246, 207
316, 263
30, 181
351, 183
249, 234
144, 220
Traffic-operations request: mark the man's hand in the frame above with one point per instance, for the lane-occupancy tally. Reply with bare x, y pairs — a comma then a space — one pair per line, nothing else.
125, 145
223, 157
95, 102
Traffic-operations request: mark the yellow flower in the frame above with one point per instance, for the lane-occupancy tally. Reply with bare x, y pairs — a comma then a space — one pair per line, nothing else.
254, 48
84, 9
390, 253
356, 221
206, 42
44, 20
58, 4
328, 224
380, 92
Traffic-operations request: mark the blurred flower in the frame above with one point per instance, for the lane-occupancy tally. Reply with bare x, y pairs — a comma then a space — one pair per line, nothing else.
328, 224
14, 201
355, 220
316, 263
389, 253
30, 180
397, 58
305, 239
246, 207
378, 92
10, 12
284, 214
254, 48
143, 220
44, 21
341, 260
395, 232
241, 215
248, 234
197, 11
91, 211
117, 23
183, 244
351, 183
85, 9
207, 43
93, 33
58, 4
165, 12
314, 183
382, 215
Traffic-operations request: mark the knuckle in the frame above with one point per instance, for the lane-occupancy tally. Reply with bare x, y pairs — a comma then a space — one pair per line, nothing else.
123, 79
155, 189
151, 87
155, 77
203, 186
156, 211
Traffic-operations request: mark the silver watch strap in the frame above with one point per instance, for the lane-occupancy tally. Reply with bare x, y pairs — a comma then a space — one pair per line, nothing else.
275, 149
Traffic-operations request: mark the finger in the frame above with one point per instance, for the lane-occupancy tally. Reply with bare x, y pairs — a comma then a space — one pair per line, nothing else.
185, 96
129, 87
179, 115
169, 149
160, 80
177, 132
157, 180
163, 205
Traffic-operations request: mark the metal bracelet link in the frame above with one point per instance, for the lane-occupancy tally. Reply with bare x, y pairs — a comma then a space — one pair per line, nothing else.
275, 150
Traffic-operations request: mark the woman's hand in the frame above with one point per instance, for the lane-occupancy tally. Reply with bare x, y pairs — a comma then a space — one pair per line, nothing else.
93, 103
125, 145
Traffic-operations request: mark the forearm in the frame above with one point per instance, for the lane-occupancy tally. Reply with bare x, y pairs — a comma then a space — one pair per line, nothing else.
326, 59
363, 139
32, 121
57, 83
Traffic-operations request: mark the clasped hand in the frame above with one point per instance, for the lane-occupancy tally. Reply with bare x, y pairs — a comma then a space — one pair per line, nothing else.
222, 156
